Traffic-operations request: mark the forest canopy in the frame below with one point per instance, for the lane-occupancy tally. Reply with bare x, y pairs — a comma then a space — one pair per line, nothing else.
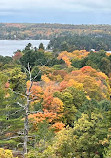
68, 96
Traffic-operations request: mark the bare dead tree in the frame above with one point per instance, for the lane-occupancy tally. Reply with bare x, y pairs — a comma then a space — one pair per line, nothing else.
26, 108
28, 101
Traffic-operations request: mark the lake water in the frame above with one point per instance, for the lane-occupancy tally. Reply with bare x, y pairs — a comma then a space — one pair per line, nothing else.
8, 47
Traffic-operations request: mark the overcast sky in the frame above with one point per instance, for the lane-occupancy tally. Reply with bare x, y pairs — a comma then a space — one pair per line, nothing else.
56, 11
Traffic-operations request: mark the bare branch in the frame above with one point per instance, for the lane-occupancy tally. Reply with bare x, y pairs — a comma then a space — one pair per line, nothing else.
20, 105
34, 112
20, 133
18, 93
16, 112
29, 71
19, 144
37, 75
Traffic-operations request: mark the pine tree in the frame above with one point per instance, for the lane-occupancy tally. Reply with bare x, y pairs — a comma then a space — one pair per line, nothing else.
10, 116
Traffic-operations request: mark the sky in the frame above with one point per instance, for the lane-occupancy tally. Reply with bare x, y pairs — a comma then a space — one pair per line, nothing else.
56, 11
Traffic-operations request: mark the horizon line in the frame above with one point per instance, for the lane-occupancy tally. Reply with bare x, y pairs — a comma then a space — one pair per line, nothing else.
48, 23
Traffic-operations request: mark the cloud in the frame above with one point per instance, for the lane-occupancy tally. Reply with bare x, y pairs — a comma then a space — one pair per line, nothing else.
73, 5
54, 9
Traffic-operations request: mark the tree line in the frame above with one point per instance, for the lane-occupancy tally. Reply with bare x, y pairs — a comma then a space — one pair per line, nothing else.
70, 42
47, 30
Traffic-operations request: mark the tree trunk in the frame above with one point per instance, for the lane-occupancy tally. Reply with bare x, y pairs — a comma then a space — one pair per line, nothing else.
26, 128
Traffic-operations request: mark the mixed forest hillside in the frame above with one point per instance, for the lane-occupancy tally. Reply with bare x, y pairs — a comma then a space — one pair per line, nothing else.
47, 31
55, 105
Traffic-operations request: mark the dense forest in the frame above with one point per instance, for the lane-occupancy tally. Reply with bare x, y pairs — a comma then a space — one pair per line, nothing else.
70, 42
62, 37
56, 105
47, 31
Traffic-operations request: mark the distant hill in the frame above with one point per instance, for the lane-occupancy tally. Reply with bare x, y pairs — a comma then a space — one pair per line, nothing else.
47, 31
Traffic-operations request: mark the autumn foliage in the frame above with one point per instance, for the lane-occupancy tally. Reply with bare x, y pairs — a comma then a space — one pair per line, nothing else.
17, 55
86, 79
68, 57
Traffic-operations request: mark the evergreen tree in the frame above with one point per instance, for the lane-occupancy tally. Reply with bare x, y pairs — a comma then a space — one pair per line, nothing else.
11, 122
41, 46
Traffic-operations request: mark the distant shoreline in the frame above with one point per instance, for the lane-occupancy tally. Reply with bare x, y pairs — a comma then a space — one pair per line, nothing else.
39, 31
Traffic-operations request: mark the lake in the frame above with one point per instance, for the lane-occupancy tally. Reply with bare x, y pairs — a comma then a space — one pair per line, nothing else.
8, 47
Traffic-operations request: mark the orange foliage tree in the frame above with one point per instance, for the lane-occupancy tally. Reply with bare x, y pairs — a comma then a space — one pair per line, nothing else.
17, 55
67, 56
52, 106
95, 84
